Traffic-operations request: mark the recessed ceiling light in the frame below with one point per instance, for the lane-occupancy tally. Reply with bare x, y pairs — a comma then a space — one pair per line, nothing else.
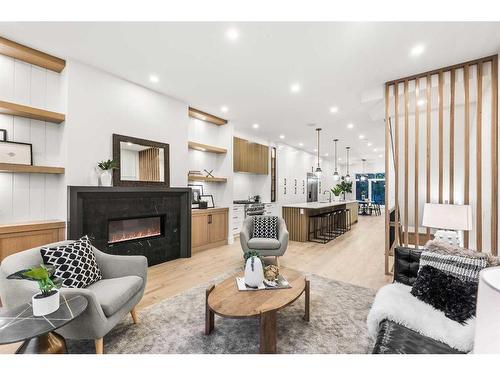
301, 144
232, 34
255, 126
340, 159
295, 87
417, 50
420, 102
380, 155
361, 136
326, 154
350, 126
153, 78
315, 150
224, 109
375, 149
334, 109
369, 144
282, 136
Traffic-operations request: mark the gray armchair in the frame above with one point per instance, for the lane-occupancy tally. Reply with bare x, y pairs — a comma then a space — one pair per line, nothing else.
109, 300
264, 246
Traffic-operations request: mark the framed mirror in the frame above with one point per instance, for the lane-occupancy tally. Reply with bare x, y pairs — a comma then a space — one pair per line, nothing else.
141, 162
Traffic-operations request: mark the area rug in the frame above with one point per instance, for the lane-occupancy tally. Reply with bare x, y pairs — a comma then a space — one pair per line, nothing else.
176, 326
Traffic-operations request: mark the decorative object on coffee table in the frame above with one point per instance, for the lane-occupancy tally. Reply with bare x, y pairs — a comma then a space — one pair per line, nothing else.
47, 301
16, 153
225, 300
254, 269
3, 135
271, 272
105, 169
39, 331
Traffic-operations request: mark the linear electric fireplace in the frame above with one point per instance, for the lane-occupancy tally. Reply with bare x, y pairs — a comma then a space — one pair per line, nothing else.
154, 222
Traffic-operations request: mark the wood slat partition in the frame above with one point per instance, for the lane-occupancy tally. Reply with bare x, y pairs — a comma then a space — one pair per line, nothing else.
149, 165
446, 137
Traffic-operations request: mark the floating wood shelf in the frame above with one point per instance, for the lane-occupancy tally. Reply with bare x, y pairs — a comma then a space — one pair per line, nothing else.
206, 148
200, 115
207, 179
21, 168
30, 112
31, 56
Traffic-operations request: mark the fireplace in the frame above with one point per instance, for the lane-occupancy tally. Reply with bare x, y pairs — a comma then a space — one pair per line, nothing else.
123, 230
154, 222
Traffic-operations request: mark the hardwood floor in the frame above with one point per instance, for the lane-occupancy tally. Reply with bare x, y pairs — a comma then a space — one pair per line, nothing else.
357, 257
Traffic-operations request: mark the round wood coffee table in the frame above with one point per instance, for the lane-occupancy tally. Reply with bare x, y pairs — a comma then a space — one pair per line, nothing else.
227, 301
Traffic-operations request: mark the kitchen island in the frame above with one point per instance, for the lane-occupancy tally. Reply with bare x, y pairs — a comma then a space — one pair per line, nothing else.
297, 215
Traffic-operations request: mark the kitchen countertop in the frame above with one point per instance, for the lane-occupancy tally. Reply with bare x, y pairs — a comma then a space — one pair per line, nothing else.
317, 205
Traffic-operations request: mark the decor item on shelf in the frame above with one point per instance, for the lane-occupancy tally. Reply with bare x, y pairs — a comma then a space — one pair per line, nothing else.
336, 175
47, 301
196, 193
105, 169
208, 200
487, 332
195, 173
271, 272
318, 168
254, 269
3, 135
337, 190
448, 219
347, 176
16, 153
209, 173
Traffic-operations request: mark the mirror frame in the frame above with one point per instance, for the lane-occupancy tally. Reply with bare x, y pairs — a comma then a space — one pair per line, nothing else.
117, 181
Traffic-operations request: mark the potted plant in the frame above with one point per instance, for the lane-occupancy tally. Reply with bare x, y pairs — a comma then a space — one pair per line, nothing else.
105, 168
336, 190
346, 186
254, 269
47, 301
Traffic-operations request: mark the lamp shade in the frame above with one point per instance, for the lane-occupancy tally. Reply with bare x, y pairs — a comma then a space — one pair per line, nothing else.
447, 216
487, 334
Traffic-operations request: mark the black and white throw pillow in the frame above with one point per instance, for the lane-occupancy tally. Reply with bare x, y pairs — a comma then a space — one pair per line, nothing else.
465, 268
75, 263
265, 227
445, 292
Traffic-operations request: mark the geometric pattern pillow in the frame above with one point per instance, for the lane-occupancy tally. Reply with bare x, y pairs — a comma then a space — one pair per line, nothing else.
265, 227
466, 269
75, 263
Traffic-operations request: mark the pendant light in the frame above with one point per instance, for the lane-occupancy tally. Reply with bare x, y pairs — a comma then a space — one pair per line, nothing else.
347, 177
318, 169
336, 175
363, 175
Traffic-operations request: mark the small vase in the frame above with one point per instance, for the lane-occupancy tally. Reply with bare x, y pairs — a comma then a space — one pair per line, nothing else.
336, 198
106, 178
254, 274
45, 305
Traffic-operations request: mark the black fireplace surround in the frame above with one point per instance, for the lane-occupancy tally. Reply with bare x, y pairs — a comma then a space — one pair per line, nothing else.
149, 221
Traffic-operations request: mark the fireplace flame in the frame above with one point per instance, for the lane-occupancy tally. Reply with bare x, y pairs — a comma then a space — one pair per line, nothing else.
118, 233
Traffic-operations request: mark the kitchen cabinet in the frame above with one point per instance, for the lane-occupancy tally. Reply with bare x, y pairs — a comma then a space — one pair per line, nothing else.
209, 228
250, 157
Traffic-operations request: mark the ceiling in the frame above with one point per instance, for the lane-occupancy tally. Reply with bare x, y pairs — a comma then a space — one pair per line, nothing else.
336, 64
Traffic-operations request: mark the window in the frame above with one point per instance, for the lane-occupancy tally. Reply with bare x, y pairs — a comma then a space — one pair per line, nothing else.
371, 188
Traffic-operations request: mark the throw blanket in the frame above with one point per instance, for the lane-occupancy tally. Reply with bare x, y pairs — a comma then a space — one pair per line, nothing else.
395, 302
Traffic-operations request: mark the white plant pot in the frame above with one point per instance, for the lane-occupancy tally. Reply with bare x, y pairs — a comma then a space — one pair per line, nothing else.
337, 198
254, 277
45, 305
107, 178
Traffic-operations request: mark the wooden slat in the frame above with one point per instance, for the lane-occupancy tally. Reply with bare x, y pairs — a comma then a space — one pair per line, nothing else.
21, 168
20, 110
407, 163
207, 179
206, 148
416, 172
452, 137
466, 145
31, 226
31, 56
428, 147
441, 137
494, 156
387, 180
479, 185
396, 160
204, 116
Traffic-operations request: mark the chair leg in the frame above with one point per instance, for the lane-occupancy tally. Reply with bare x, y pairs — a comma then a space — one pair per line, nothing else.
99, 346
277, 261
133, 313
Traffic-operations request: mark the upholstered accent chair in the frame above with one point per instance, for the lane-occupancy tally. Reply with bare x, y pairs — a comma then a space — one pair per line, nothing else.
109, 300
266, 247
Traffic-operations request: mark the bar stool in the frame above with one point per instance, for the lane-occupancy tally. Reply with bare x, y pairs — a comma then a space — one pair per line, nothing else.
320, 228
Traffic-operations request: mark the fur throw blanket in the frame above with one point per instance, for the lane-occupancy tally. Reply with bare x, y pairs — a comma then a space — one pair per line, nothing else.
395, 302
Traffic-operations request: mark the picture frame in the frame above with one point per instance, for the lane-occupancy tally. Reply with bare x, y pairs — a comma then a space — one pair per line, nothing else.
196, 193
16, 153
3, 135
209, 199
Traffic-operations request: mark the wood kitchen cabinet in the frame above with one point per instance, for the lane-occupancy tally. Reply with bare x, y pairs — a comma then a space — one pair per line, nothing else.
209, 228
250, 157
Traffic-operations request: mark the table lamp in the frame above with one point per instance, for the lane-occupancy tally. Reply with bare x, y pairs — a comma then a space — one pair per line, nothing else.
487, 334
448, 219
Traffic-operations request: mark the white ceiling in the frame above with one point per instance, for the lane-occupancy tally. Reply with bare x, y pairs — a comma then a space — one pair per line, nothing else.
336, 64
